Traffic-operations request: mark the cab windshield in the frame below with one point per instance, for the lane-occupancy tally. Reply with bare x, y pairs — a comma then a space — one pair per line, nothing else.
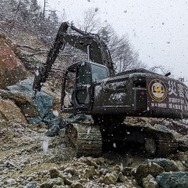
99, 72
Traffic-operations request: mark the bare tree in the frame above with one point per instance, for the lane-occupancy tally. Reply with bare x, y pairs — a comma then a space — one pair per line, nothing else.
123, 55
91, 22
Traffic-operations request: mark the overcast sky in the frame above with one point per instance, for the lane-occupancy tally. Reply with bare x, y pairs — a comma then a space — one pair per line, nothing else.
157, 29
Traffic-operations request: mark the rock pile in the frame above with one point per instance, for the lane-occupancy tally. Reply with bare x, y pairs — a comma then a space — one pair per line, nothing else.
29, 159
20, 99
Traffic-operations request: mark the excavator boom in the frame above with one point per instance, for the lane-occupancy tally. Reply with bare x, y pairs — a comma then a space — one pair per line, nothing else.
89, 43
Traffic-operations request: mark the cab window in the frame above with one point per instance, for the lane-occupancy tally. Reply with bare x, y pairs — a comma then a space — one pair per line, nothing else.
98, 72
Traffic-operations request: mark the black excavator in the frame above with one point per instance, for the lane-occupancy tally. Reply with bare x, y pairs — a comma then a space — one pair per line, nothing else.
92, 87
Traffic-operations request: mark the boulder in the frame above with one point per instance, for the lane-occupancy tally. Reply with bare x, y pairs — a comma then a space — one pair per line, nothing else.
183, 143
145, 169
10, 112
173, 179
167, 164
31, 185
89, 172
150, 182
11, 68
181, 156
109, 178
24, 102
121, 177
54, 173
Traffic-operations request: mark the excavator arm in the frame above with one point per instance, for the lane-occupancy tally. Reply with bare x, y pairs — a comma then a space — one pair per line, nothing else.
89, 43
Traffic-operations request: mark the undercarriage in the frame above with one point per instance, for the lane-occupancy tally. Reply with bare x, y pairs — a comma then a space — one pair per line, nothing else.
151, 134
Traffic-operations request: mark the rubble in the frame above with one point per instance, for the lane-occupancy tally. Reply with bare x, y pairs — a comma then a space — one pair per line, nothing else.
25, 163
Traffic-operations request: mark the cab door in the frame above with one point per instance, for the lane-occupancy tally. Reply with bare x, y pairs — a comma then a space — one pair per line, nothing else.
83, 89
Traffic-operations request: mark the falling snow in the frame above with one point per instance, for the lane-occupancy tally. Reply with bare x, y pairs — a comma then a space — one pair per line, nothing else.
45, 145
56, 113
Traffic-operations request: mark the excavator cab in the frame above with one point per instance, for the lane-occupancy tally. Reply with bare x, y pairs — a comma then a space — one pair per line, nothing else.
78, 86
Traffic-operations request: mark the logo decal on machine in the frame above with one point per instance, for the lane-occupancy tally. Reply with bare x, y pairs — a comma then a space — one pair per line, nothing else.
157, 90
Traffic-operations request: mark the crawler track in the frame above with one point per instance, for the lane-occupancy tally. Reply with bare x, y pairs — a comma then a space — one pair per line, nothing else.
87, 139
164, 141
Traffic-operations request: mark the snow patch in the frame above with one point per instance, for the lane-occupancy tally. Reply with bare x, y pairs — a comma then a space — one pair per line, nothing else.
117, 96
45, 145
89, 130
56, 113
97, 90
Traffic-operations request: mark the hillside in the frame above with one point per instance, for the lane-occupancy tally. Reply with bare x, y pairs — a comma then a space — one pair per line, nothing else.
30, 159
